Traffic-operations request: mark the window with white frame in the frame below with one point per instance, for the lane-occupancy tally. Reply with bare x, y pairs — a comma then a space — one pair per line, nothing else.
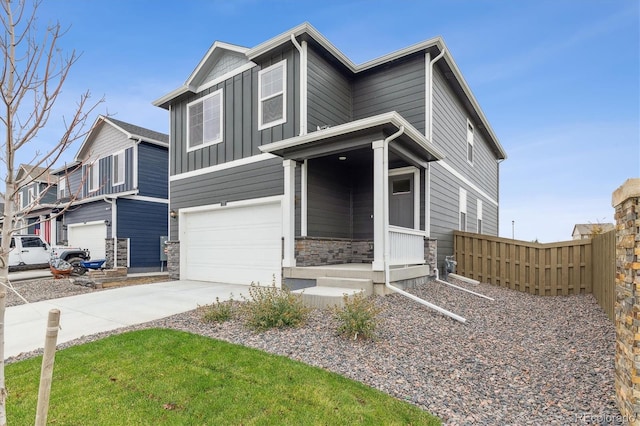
204, 117
32, 194
62, 187
463, 209
117, 167
479, 214
272, 102
93, 176
469, 142
21, 203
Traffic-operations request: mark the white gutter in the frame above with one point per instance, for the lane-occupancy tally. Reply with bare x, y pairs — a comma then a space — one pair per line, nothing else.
303, 83
461, 288
387, 249
430, 96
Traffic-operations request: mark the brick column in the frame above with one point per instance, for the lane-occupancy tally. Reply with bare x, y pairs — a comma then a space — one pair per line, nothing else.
626, 201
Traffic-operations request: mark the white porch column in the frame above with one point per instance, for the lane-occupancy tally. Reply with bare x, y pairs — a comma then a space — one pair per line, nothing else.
378, 206
288, 213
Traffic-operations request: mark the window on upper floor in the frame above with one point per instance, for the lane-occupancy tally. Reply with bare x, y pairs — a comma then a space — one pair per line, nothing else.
469, 142
93, 176
63, 191
204, 121
21, 203
117, 167
32, 195
463, 209
272, 102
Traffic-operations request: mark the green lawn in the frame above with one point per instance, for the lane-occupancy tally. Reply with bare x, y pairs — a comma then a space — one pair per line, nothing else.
153, 377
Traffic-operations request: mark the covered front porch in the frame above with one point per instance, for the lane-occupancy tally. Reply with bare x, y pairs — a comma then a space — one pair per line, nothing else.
354, 204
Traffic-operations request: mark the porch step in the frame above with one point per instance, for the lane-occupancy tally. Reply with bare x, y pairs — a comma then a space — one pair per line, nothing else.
353, 283
324, 297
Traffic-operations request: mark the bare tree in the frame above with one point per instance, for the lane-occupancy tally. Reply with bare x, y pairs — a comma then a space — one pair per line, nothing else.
31, 78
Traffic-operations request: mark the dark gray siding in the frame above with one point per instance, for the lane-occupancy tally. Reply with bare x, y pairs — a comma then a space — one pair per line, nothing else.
397, 87
89, 212
48, 193
261, 179
241, 137
153, 171
450, 135
143, 223
329, 97
340, 199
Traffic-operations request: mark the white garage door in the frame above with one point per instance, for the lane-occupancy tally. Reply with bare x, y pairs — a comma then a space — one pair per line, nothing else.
89, 236
232, 244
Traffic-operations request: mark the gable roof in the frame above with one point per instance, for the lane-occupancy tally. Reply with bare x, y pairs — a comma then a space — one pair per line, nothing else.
131, 131
587, 228
34, 174
306, 31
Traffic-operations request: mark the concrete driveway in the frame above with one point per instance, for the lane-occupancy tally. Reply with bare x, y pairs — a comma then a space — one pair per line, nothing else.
92, 313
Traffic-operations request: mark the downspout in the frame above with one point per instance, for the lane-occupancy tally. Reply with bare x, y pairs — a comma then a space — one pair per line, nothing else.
303, 83
387, 251
114, 228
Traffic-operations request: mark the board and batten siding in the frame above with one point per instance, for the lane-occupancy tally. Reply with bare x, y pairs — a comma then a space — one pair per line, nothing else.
241, 137
400, 88
256, 180
106, 176
450, 136
143, 223
329, 93
153, 175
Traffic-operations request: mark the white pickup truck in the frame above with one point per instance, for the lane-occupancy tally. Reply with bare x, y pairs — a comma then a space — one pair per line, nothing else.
32, 250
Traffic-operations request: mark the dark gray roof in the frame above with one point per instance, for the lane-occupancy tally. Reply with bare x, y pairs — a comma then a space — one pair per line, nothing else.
144, 133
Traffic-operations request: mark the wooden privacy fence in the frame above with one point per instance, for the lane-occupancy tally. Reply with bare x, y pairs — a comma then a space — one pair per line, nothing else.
563, 268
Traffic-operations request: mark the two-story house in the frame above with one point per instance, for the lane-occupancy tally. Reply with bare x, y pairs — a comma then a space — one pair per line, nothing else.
117, 190
36, 201
288, 157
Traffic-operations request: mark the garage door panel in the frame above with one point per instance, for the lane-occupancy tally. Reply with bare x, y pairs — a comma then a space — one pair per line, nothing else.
235, 244
89, 236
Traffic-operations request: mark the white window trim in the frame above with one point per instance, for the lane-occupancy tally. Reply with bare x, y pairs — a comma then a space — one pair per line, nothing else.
94, 169
62, 187
462, 208
479, 216
221, 137
471, 130
31, 195
261, 125
113, 168
21, 200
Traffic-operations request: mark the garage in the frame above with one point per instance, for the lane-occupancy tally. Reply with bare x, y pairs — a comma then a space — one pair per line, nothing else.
90, 235
236, 244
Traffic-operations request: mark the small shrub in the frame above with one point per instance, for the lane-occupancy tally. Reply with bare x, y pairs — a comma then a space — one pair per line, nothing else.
358, 318
219, 311
272, 307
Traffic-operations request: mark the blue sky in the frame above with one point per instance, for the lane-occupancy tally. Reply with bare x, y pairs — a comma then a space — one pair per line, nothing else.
558, 80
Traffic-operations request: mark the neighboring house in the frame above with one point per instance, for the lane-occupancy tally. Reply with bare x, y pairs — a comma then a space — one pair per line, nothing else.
36, 202
584, 231
118, 188
288, 155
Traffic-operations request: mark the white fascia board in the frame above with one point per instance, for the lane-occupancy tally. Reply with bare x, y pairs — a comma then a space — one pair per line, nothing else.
377, 120
218, 45
223, 166
102, 197
88, 137
171, 95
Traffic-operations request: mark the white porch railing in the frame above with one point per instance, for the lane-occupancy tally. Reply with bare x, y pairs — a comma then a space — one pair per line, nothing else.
406, 246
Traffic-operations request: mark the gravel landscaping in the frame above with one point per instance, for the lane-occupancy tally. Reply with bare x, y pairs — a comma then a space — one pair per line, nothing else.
520, 359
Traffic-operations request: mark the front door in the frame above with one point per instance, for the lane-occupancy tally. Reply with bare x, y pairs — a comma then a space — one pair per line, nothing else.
401, 200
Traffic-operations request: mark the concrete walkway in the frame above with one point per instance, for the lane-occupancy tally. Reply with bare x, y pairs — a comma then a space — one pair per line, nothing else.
92, 313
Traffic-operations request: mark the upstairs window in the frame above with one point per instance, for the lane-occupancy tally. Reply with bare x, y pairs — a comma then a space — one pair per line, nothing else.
463, 210
62, 187
469, 142
117, 167
204, 121
32, 195
93, 176
272, 102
